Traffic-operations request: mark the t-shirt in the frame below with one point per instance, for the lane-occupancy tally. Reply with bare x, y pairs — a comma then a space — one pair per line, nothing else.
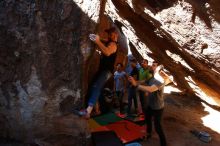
155, 100
134, 72
107, 62
144, 74
119, 78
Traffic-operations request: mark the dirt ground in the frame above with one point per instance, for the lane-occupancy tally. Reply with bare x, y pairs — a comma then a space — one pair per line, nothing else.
181, 115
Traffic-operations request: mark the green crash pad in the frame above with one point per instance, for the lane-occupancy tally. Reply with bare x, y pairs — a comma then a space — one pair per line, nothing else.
107, 119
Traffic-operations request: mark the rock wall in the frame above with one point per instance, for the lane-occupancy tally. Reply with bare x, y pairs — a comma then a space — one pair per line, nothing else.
182, 35
47, 61
43, 48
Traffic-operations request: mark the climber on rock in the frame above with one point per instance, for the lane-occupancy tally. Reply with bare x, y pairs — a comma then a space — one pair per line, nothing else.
108, 50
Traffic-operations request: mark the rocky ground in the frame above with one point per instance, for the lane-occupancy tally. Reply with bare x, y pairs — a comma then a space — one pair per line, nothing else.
183, 114
47, 61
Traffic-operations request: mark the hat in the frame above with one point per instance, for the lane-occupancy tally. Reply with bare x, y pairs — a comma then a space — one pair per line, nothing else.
110, 30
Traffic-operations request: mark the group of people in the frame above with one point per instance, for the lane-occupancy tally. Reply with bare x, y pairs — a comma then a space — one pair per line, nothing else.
121, 84
139, 80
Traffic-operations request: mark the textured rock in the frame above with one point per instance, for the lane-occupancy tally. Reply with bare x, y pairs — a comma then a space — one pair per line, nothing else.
47, 61
163, 31
46, 65
42, 53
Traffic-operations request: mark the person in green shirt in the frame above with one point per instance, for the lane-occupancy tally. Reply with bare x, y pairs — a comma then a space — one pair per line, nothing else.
144, 76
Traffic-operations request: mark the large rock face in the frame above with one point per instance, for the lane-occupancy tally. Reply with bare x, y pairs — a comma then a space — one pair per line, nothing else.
46, 65
43, 48
47, 61
183, 36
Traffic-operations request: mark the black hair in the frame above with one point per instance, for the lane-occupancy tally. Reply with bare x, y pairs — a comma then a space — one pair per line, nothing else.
156, 62
145, 60
133, 60
111, 30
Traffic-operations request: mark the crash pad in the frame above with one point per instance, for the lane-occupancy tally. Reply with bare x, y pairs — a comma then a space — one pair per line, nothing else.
107, 119
95, 127
93, 124
106, 138
131, 118
127, 131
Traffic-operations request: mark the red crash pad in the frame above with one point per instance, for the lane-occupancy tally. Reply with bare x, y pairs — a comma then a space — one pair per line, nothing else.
133, 119
98, 129
127, 131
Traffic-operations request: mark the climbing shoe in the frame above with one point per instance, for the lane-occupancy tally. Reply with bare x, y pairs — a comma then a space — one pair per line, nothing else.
82, 113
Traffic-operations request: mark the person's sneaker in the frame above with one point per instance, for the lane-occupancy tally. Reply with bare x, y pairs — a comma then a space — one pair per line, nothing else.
82, 113
122, 115
140, 113
128, 117
135, 115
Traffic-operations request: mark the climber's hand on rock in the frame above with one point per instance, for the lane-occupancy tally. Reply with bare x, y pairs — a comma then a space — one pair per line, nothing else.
95, 38
92, 37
